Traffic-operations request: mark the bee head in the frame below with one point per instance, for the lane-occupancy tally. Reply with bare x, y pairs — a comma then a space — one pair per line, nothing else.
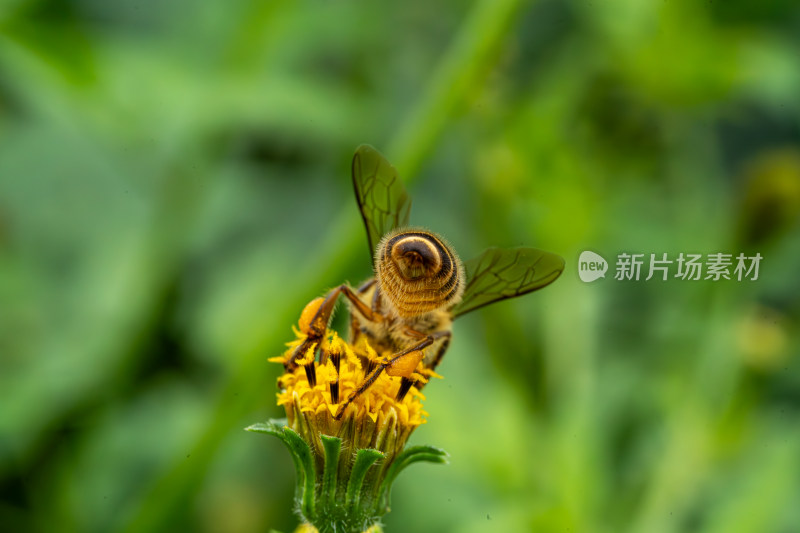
418, 272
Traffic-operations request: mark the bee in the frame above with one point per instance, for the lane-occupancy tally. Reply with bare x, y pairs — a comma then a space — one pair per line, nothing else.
420, 285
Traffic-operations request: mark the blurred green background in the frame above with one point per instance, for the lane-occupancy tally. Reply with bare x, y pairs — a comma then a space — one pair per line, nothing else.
174, 187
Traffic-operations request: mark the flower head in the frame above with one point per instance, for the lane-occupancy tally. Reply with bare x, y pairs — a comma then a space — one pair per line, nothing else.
346, 465
313, 390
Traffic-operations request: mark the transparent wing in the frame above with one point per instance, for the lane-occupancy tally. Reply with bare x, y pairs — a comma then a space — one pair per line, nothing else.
380, 194
500, 273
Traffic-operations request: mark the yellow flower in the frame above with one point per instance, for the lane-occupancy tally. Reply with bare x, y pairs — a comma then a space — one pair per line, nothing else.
346, 467
375, 419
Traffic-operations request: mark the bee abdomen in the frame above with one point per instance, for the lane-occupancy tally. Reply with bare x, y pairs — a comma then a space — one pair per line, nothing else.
418, 272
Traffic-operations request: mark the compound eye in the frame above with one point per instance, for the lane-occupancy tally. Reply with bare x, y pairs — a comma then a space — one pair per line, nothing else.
416, 258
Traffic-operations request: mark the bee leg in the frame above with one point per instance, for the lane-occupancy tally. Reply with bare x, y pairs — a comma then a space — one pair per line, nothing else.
407, 383
319, 323
376, 300
440, 354
424, 343
358, 392
364, 287
355, 325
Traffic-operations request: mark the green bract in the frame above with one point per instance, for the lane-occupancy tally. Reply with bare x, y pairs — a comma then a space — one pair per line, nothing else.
343, 489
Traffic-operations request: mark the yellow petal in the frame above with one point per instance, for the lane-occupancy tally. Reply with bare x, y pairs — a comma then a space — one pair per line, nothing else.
431, 374
308, 357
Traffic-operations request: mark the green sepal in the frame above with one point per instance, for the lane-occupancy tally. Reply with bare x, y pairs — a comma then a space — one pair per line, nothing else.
332, 446
344, 491
301, 455
303, 452
275, 428
365, 458
405, 458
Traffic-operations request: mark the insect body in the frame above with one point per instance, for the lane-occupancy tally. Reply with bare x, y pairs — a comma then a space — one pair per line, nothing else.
420, 284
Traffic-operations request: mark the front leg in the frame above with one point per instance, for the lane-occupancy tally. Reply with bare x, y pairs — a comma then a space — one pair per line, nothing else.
318, 325
355, 325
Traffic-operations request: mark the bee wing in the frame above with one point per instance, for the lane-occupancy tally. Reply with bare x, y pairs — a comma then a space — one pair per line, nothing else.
500, 273
380, 194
